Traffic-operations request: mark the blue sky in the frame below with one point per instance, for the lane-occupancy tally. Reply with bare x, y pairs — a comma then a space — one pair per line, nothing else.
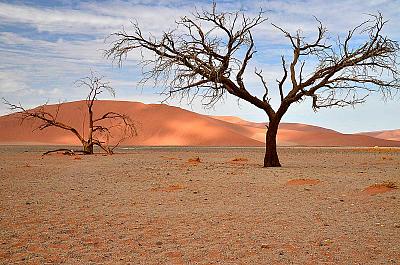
46, 45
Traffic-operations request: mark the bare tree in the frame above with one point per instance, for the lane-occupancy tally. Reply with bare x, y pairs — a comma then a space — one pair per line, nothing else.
99, 128
209, 52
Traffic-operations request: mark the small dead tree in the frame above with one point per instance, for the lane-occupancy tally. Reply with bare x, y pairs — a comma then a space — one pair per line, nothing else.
99, 128
209, 52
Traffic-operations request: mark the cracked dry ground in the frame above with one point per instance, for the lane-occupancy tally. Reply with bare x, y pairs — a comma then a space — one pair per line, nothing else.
164, 206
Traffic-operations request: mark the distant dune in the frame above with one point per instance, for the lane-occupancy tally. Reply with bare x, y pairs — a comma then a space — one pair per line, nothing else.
160, 124
393, 135
296, 134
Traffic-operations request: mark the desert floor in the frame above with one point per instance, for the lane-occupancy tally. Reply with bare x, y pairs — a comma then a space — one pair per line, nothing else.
161, 206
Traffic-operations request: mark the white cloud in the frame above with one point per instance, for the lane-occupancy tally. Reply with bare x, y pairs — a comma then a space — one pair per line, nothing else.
58, 20
69, 42
11, 82
98, 19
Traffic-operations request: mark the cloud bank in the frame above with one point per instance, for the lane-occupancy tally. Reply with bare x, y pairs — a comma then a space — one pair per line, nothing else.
45, 48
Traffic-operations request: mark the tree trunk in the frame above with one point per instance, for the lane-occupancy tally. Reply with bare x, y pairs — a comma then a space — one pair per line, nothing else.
90, 136
88, 148
271, 156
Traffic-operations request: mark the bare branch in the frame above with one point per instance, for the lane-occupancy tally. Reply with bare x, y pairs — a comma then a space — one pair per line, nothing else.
196, 62
40, 113
96, 127
282, 81
208, 53
259, 74
348, 73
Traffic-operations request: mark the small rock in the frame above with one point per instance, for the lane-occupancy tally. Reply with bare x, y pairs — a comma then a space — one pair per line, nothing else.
396, 225
325, 242
159, 243
266, 246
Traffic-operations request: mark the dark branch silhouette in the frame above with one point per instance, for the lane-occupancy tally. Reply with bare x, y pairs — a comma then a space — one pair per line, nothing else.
209, 52
99, 134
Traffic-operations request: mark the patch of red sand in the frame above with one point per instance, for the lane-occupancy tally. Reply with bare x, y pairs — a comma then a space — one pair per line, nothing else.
170, 188
175, 257
170, 158
194, 160
297, 182
377, 189
240, 159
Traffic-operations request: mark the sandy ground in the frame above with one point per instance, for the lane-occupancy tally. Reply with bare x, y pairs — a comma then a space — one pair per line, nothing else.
153, 206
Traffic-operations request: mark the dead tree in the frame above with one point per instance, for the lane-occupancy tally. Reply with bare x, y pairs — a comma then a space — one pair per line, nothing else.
99, 131
209, 52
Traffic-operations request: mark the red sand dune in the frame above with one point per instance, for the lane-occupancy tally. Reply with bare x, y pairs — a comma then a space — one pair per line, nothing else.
292, 134
157, 125
160, 124
393, 135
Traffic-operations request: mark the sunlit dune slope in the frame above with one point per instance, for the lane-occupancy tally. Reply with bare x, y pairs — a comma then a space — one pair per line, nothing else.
157, 124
